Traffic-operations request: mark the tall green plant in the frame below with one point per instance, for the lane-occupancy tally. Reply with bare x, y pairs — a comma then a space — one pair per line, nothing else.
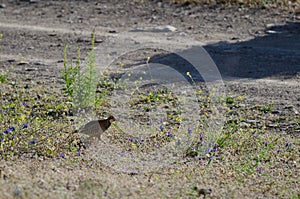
69, 73
81, 79
86, 81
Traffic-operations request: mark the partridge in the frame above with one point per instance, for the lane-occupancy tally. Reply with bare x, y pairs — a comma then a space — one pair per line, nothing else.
97, 127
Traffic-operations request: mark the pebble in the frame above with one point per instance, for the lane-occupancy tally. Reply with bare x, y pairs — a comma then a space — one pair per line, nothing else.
23, 63
11, 60
166, 28
271, 31
97, 41
53, 34
244, 124
17, 192
272, 125
251, 121
275, 112
31, 69
2, 5
270, 25
33, 1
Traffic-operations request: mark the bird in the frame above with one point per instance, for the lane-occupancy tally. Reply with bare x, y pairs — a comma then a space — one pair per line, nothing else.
96, 127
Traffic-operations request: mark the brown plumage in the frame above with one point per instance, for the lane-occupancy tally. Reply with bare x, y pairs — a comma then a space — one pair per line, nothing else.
97, 127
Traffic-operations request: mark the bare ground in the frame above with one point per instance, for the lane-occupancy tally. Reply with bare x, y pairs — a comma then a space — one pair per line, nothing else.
257, 52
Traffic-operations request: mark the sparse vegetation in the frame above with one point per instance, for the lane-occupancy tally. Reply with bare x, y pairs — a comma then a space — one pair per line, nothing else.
255, 156
247, 149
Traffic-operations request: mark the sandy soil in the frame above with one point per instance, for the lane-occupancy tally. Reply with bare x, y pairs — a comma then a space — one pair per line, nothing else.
257, 53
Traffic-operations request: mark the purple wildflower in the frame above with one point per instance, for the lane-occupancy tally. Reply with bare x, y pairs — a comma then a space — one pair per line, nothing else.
150, 123
10, 129
62, 154
178, 142
26, 125
278, 150
208, 150
169, 134
161, 127
78, 152
201, 163
201, 137
189, 131
24, 104
288, 144
259, 170
266, 143
131, 139
33, 141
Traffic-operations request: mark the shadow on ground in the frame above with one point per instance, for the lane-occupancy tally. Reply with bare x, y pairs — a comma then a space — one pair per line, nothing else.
277, 53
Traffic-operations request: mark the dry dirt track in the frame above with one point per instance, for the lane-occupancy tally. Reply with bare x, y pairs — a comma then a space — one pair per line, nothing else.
245, 44
256, 51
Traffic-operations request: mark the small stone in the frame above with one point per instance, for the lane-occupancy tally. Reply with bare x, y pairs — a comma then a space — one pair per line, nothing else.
270, 25
271, 31
31, 69
79, 40
275, 112
33, 1
2, 5
37, 63
97, 41
251, 121
166, 28
244, 124
22, 63
272, 125
52, 34
112, 31
18, 192
235, 38
41, 182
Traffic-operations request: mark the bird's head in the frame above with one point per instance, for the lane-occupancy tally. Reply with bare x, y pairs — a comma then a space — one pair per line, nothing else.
111, 119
